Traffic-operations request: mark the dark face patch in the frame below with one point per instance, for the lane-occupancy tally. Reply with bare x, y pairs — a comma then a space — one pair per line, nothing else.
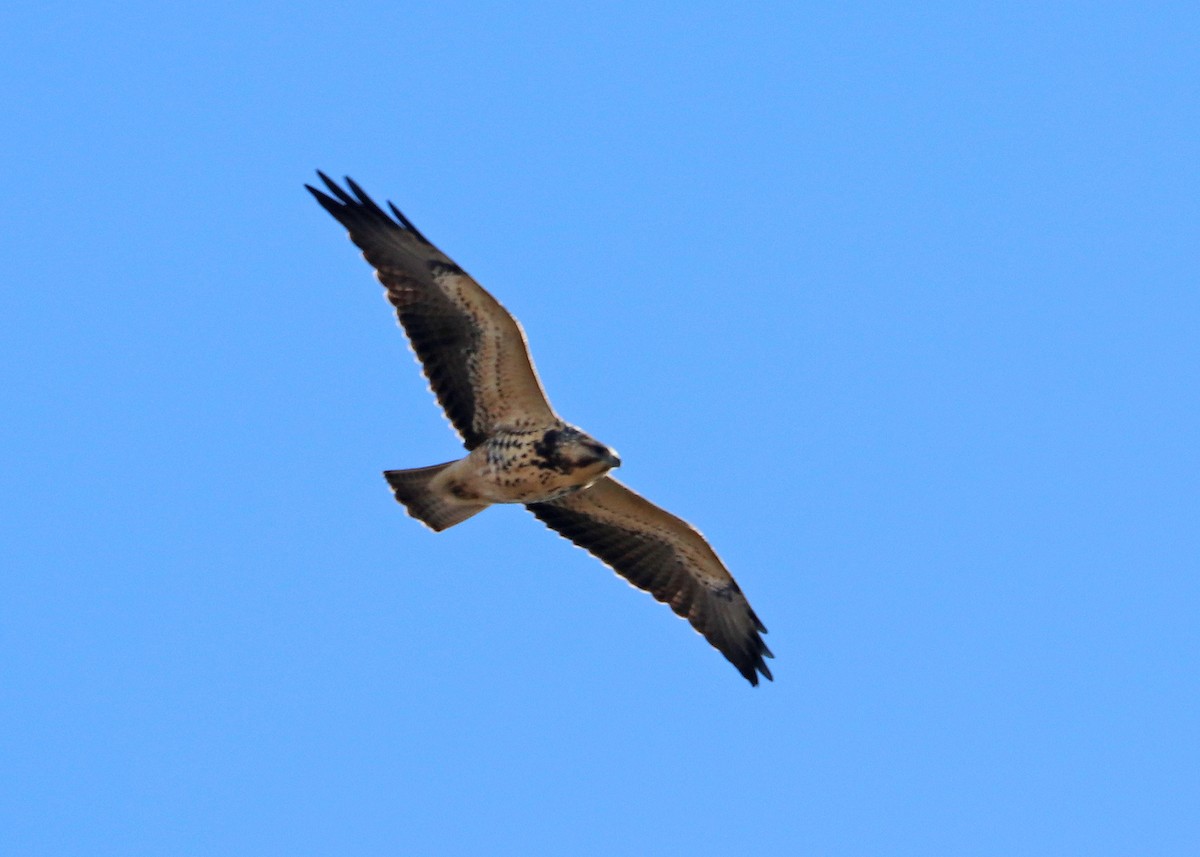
549, 456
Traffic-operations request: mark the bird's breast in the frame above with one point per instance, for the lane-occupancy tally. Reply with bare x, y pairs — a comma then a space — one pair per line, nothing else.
508, 469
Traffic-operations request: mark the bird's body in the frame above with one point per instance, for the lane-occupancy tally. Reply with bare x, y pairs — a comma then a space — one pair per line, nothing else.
523, 465
519, 450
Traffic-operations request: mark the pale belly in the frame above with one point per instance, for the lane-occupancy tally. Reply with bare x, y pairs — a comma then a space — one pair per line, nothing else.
528, 484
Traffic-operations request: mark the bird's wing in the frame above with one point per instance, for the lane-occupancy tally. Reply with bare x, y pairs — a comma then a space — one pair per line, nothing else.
667, 557
472, 350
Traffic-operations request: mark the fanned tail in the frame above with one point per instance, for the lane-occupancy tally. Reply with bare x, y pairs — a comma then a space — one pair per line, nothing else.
438, 510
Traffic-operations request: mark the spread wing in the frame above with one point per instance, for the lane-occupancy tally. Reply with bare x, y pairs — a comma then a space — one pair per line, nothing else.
472, 350
668, 558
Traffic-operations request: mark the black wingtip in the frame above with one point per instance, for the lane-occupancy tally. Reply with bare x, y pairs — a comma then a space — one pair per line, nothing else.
357, 204
336, 190
750, 672
323, 198
407, 223
360, 193
750, 661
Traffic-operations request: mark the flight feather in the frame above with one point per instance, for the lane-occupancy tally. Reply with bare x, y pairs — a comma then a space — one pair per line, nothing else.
471, 349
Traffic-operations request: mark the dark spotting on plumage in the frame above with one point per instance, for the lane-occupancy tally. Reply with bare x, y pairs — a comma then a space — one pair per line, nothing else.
519, 450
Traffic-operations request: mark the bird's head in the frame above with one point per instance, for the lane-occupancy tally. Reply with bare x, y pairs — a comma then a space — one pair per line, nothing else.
570, 450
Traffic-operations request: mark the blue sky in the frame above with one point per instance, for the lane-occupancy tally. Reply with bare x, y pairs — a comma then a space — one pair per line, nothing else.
898, 305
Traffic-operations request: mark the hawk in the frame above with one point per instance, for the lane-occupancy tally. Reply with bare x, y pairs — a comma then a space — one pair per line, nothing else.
476, 359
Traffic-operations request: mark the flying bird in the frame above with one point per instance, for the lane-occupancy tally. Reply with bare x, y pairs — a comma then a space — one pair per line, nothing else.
476, 359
